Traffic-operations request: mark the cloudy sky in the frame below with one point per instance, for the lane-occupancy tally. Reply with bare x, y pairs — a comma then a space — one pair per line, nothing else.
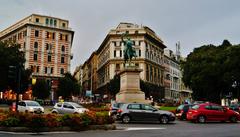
192, 22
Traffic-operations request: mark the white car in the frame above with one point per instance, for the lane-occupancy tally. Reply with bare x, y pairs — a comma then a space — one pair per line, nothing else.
68, 108
30, 106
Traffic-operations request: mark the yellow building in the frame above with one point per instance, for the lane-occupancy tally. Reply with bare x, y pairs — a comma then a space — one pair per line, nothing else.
46, 42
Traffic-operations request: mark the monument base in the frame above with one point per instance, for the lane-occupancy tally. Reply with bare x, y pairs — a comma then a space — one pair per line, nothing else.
131, 97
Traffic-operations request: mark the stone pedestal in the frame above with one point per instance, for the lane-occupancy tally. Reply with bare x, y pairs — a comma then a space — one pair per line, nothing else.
130, 86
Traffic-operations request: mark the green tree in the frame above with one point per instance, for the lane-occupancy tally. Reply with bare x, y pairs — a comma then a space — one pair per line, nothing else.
10, 55
41, 90
68, 86
209, 70
156, 91
114, 85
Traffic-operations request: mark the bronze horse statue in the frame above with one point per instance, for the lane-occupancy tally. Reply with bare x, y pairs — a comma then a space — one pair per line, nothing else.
129, 51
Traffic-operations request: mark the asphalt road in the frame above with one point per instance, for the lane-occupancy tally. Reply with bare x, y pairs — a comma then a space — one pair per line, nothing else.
176, 129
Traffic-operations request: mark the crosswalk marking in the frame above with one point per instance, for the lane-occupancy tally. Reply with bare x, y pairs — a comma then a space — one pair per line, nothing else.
142, 128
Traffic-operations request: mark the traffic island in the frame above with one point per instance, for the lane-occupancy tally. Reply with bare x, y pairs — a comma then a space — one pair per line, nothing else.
25, 122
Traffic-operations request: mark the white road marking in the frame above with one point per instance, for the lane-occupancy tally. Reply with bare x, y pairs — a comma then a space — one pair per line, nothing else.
142, 128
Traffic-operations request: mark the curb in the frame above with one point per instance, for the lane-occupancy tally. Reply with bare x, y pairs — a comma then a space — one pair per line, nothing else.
54, 129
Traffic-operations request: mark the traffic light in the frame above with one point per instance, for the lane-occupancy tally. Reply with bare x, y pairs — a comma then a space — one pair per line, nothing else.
12, 73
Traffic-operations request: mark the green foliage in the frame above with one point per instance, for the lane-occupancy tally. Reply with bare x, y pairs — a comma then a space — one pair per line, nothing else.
114, 85
37, 121
41, 90
211, 70
68, 86
153, 90
10, 55
11, 122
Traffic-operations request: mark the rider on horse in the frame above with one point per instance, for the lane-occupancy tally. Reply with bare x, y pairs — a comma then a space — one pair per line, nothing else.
129, 51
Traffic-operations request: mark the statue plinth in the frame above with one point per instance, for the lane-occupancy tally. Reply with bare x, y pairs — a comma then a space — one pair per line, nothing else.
130, 86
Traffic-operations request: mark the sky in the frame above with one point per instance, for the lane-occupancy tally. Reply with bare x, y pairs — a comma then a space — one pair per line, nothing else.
192, 22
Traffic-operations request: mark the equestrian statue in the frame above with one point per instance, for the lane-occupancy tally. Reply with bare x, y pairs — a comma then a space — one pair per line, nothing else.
129, 51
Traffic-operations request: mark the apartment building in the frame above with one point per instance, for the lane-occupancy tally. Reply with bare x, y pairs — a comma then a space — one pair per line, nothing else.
46, 42
110, 61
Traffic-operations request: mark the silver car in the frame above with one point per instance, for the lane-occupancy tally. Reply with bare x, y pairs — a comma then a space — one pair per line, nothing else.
68, 108
30, 106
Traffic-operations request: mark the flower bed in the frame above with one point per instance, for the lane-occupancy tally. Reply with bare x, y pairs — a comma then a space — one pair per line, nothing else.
36, 122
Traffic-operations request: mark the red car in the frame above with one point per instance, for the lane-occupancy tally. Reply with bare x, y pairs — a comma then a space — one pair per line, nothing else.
211, 112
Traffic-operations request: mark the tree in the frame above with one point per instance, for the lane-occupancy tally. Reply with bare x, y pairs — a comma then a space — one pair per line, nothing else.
68, 86
156, 91
209, 70
41, 90
10, 55
114, 85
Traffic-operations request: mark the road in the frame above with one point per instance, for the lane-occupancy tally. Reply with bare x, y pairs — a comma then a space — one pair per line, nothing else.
176, 129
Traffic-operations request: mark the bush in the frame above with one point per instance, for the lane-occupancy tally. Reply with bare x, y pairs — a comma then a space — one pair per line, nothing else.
11, 122
36, 121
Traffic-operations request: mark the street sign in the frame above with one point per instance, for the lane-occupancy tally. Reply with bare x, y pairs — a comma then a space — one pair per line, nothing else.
88, 93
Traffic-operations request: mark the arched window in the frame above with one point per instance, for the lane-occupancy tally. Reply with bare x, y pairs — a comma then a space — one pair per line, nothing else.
63, 48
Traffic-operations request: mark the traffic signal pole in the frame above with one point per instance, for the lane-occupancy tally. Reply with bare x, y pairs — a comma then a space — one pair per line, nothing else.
18, 86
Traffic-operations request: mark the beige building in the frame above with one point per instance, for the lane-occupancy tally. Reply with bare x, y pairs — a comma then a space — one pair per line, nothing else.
149, 49
47, 43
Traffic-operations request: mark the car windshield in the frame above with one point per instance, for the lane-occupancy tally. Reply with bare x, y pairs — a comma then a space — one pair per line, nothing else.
195, 107
76, 105
32, 103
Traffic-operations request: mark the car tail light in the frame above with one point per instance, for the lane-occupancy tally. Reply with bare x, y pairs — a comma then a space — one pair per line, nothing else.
119, 111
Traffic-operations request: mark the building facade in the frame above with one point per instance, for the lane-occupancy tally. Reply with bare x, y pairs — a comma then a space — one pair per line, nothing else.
110, 61
172, 76
46, 42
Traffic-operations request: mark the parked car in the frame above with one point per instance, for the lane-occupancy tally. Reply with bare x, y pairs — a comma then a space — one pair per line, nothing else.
143, 113
235, 107
30, 106
113, 109
211, 112
181, 111
68, 108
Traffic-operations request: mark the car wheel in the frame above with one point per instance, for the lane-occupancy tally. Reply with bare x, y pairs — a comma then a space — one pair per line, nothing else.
233, 119
54, 112
201, 119
164, 119
126, 119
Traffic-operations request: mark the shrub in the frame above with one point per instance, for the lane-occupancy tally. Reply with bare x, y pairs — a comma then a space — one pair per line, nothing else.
52, 120
36, 121
11, 122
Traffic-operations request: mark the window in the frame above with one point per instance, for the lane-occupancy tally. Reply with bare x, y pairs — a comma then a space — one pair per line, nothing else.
48, 35
147, 107
35, 45
114, 43
36, 33
45, 70
66, 37
61, 36
139, 53
114, 53
217, 108
134, 106
120, 53
63, 48
37, 68
51, 70
35, 56
63, 25
49, 58
55, 22
59, 104
37, 20
62, 71
47, 21
62, 59
47, 46
51, 21
136, 32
